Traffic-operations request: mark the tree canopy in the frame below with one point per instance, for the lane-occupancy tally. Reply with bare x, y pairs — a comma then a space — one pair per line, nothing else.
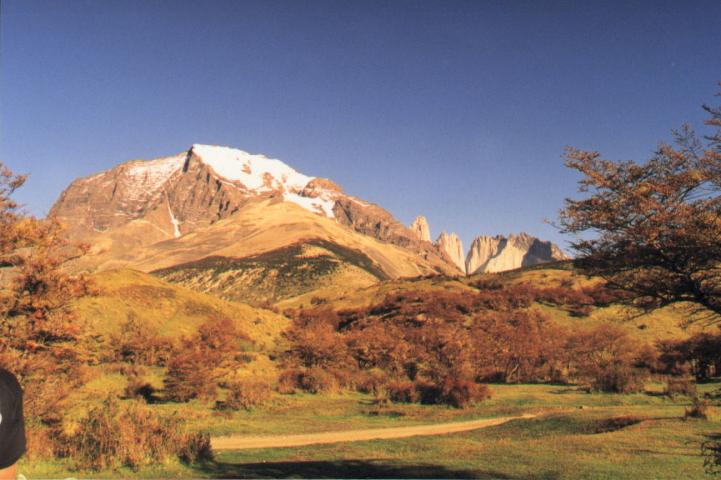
653, 229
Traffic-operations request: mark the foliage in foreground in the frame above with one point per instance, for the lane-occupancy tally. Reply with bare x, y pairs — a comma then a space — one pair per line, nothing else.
41, 340
132, 435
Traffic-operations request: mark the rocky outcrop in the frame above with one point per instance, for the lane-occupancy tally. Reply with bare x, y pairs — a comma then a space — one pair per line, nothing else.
421, 229
499, 254
451, 245
482, 249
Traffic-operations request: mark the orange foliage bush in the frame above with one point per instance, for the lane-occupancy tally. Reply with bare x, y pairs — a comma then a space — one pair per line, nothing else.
132, 435
246, 394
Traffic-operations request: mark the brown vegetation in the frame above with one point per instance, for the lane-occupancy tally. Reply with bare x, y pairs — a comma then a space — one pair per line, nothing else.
132, 435
41, 341
246, 394
441, 346
199, 362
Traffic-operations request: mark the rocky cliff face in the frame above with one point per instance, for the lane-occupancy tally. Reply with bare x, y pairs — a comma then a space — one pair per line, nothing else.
482, 250
421, 229
452, 246
498, 254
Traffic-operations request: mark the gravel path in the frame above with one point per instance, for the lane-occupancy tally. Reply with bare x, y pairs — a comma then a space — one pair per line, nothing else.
243, 442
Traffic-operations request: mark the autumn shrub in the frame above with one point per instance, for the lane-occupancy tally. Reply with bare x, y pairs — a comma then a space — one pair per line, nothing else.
289, 381
246, 394
699, 355
613, 424
130, 435
42, 442
461, 393
603, 296
617, 379
403, 391
195, 448
317, 380
140, 344
140, 389
680, 386
456, 393
429, 393
189, 376
345, 378
371, 381
698, 409
604, 358
311, 380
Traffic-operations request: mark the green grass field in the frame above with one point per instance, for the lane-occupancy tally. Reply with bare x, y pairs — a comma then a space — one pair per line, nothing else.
576, 436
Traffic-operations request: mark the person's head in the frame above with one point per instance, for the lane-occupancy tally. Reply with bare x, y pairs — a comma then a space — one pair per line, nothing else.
12, 424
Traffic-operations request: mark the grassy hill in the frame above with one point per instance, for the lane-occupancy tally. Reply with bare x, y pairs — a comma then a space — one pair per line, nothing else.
172, 310
278, 274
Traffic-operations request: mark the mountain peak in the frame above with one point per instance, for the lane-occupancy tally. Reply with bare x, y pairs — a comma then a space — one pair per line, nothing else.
453, 247
421, 229
255, 172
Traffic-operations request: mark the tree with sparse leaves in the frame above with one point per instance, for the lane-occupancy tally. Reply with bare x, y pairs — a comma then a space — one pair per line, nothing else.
655, 227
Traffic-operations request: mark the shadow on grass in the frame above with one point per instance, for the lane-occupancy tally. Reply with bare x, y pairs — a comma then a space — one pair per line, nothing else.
349, 469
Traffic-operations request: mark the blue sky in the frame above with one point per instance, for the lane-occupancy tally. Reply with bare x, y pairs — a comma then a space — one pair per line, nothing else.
456, 110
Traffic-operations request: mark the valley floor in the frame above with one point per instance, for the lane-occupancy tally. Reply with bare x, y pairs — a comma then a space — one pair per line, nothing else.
576, 435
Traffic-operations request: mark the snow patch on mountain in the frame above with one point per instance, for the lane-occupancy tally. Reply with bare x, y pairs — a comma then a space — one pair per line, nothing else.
154, 173
173, 220
318, 205
257, 173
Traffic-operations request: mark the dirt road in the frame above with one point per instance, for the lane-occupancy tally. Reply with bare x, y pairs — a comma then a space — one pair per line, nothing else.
243, 442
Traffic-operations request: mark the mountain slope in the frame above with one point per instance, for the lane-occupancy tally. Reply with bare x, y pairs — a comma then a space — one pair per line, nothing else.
282, 273
268, 250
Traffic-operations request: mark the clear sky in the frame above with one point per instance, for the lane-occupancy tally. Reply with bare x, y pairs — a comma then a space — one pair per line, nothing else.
456, 110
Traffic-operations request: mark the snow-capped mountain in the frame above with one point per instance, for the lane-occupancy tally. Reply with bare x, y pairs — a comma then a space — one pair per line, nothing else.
141, 203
